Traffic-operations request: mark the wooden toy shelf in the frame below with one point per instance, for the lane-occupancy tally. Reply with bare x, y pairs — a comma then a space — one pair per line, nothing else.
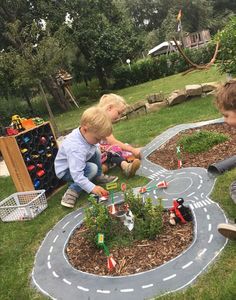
30, 156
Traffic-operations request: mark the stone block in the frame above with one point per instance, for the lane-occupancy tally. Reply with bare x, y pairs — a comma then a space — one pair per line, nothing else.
209, 87
158, 97
176, 97
193, 90
155, 106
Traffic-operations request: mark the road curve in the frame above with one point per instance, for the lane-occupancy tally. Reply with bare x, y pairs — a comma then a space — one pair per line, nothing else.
55, 277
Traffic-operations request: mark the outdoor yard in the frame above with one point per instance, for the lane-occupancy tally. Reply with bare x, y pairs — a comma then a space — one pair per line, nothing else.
19, 241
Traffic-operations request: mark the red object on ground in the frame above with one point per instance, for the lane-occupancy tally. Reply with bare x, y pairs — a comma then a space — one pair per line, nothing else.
162, 184
110, 263
143, 190
178, 214
180, 164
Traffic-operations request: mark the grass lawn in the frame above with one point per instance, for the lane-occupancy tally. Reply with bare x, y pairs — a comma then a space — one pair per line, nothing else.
19, 241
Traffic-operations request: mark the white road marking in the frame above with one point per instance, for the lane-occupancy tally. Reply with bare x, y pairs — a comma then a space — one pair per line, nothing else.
209, 227
82, 288
187, 265
191, 194
210, 238
65, 225
66, 281
208, 202
204, 202
195, 197
50, 250
205, 209
103, 291
191, 206
49, 256
147, 286
168, 176
56, 237
194, 173
208, 217
126, 290
49, 265
199, 186
170, 277
55, 274
202, 252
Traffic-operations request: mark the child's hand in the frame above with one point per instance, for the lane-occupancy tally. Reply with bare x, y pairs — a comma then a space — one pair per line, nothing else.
98, 190
137, 152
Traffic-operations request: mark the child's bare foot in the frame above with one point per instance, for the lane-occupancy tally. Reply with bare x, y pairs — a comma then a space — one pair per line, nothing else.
131, 168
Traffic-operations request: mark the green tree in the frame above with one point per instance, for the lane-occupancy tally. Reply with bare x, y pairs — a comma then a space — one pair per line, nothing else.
103, 35
227, 52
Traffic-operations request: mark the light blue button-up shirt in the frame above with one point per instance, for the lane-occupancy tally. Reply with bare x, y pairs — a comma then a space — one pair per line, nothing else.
73, 154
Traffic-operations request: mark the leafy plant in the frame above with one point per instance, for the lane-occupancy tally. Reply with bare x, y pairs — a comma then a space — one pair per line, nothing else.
201, 141
148, 217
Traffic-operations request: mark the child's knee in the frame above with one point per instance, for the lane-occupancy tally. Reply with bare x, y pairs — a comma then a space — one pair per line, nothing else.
93, 171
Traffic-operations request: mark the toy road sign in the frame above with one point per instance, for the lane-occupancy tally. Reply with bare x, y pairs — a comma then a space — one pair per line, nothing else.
111, 186
100, 238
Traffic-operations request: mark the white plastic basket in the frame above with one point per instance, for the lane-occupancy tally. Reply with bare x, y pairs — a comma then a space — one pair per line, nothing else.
23, 206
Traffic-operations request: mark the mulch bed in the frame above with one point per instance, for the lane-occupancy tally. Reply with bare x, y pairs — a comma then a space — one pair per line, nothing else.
142, 256
148, 254
167, 158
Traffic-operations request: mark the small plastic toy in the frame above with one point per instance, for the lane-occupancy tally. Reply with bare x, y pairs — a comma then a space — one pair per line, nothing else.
161, 185
110, 260
179, 213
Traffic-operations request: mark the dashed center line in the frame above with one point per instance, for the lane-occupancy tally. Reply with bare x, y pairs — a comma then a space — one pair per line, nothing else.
66, 281
126, 290
66, 225
147, 286
187, 265
170, 277
82, 288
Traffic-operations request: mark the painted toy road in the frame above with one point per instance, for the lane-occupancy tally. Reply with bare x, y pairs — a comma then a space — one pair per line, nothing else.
54, 276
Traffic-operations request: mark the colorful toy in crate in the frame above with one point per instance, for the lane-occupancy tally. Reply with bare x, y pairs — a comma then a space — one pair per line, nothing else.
16, 123
19, 124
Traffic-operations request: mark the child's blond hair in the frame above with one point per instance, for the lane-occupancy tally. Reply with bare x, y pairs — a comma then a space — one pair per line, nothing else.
226, 96
112, 99
97, 121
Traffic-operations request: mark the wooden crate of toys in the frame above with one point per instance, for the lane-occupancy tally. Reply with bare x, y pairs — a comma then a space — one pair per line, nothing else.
29, 156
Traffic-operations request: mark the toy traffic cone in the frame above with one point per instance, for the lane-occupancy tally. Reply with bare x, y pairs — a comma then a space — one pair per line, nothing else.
180, 164
112, 209
110, 262
143, 190
162, 184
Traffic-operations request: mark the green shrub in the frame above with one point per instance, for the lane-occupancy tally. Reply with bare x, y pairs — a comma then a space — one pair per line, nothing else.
147, 222
164, 65
148, 216
201, 141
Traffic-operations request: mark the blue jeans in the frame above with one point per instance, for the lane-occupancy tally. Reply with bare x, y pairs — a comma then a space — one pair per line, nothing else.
92, 169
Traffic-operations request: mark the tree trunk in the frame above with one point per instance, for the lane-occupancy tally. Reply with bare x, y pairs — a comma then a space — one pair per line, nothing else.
57, 93
101, 77
51, 116
27, 99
